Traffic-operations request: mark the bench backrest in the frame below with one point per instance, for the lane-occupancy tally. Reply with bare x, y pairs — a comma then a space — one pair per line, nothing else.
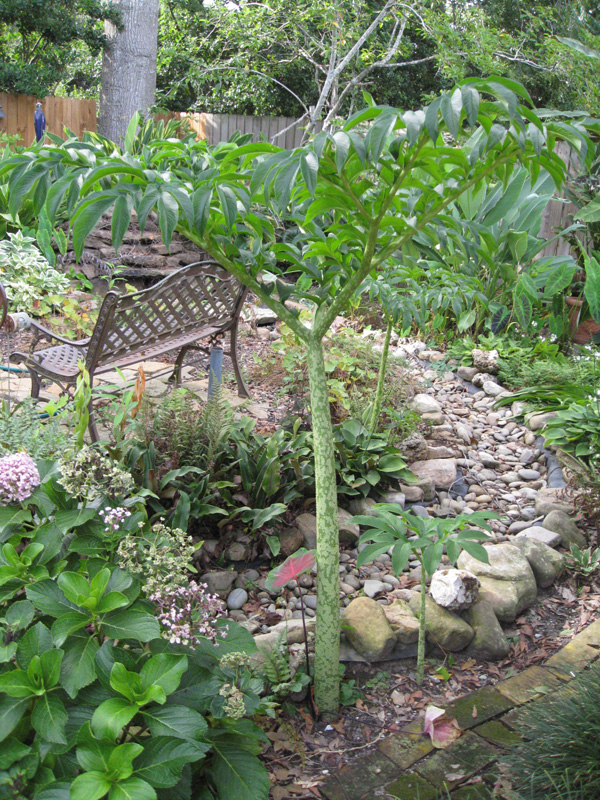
193, 298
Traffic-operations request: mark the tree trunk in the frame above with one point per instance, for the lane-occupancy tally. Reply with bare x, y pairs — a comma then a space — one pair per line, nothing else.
327, 639
128, 67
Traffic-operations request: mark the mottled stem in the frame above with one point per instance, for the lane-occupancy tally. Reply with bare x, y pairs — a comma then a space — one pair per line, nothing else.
381, 379
421, 645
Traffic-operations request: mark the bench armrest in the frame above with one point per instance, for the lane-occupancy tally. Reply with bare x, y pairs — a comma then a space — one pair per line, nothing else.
39, 332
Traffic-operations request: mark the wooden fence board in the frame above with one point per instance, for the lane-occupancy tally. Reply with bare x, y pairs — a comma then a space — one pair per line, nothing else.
77, 115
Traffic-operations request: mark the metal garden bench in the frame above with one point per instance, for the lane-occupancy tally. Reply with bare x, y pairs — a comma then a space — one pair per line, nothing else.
198, 302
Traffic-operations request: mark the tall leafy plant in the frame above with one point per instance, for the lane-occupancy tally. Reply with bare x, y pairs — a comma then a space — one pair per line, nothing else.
357, 196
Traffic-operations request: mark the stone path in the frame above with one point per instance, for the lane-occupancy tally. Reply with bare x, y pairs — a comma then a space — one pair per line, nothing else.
405, 765
18, 386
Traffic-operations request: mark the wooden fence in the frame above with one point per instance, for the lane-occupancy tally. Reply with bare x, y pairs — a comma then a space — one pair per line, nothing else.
285, 132
60, 112
559, 215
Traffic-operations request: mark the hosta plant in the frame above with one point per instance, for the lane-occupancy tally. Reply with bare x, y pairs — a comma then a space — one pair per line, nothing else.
103, 692
406, 535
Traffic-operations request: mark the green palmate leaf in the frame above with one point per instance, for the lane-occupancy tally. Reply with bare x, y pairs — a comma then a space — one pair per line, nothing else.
178, 721
163, 670
111, 716
164, 757
49, 718
237, 773
90, 786
78, 667
132, 789
131, 623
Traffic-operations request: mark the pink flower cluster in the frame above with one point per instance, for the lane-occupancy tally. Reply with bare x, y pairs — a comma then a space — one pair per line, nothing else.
113, 518
19, 476
188, 613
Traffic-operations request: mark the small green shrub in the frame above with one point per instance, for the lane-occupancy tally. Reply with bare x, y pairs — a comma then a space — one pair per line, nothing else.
560, 757
576, 431
27, 276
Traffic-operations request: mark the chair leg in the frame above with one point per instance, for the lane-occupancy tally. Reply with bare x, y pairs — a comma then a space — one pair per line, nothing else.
36, 383
175, 376
92, 428
242, 388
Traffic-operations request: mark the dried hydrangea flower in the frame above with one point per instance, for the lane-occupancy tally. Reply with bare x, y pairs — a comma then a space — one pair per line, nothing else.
90, 475
19, 476
188, 613
234, 705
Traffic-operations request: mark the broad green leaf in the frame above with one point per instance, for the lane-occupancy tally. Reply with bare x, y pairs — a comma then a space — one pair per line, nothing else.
11, 751
90, 786
73, 518
237, 773
121, 216
11, 711
228, 205
591, 288
86, 219
17, 683
432, 556
20, 614
164, 670
48, 598
309, 165
575, 44
131, 623
168, 215
132, 789
164, 757
10, 518
78, 668
111, 716
49, 718
34, 642
591, 212
476, 551
178, 721
50, 662
68, 624
391, 463
470, 101
451, 106
379, 132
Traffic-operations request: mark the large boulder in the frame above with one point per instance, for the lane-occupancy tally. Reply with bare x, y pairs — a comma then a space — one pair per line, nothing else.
454, 589
402, 621
546, 563
489, 641
307, 525
219, 581
507, 581
485, 360
442, 471
562, 524
444, 629
367, 629
424, 404
414, 447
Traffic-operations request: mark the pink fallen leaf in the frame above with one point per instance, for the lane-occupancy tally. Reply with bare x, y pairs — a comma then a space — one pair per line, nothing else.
441, 729
300, 562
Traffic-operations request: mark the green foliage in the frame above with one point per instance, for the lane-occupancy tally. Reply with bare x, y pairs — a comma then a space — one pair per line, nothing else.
576, 431
559, 757
408, 535
23, 428
95, 699
584, 562
27, 276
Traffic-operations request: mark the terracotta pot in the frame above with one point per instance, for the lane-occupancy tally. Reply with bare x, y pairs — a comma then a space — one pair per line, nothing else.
574, 304
585, 331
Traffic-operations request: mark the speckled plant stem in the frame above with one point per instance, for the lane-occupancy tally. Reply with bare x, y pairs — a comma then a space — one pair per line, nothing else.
327, 640
421, 645
381, 379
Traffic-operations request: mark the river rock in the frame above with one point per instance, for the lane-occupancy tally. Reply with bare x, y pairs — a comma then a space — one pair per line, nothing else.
291, 539
424, 404
349, 531
374, 587
547, 537
454, 589
441, 471
414, 447
219, 581
492, 388
485, 360
538, 421
362, 505
489, 642
413, 494
546, 563
561, 524
367, 629
467, 373
548, 500
307, 525
402, 621
445, 629
236, 599
507, 581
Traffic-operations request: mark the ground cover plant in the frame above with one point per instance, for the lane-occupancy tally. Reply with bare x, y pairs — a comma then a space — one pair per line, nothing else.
358, 196
117, 676
559, 757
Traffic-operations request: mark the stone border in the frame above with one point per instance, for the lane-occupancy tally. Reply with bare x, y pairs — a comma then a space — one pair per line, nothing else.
406, 766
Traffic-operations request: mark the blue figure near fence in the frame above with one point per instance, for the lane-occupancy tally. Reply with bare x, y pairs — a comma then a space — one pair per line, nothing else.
39, 121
